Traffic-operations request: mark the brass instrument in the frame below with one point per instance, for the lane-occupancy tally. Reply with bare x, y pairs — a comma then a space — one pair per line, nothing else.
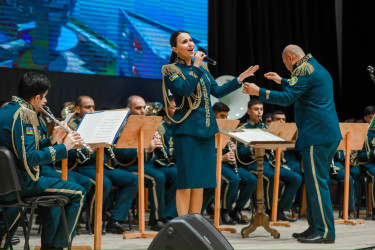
68, 109
48, 113
233, 163
153, 108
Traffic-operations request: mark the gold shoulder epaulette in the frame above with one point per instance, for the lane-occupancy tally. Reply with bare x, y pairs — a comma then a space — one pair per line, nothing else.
171, 69
204, 65
304, 68
27, 116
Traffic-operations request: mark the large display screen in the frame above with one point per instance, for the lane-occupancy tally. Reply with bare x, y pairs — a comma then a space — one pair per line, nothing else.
108, 37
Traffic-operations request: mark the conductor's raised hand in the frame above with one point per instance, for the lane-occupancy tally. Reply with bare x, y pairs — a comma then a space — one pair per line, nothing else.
198, 58
72, 139
247, 73
273, 76
250, 89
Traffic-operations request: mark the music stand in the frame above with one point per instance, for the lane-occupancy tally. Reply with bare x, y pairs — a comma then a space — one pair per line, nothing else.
137, 131
260, 218
221, 141
354, 135
288, 131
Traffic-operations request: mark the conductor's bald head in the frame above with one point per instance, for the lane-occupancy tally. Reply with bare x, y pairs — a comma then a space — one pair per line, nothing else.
292, 54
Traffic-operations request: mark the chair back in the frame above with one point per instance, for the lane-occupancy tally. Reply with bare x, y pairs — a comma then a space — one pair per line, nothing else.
8, 173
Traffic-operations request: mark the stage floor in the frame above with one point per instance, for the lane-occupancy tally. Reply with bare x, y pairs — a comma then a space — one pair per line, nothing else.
347, 237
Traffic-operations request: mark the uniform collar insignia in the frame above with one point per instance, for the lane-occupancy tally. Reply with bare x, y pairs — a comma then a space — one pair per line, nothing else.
302, 60
180, 61
166, 119
22, 102
251, 122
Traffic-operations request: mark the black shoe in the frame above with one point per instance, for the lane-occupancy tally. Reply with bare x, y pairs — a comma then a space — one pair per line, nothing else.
237, 216
210, 209
315, 238
115, 227
156, 225
305, 233
225, 218
15, 240
282, 216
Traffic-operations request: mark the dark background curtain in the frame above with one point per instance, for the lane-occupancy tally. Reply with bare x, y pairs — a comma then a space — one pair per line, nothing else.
243, 33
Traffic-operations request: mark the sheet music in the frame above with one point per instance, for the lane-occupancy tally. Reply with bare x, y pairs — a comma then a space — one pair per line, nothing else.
250, 135
69, 117
101, 127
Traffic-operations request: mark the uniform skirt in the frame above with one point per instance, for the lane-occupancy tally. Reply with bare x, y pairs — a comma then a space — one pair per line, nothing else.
196, 161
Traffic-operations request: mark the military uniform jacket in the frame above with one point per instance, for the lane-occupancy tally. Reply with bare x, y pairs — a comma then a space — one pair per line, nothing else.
192, 87
366, 155
20, 133
311, 91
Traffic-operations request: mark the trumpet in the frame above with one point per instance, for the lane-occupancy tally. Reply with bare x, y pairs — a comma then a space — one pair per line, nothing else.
233, 163
48, 113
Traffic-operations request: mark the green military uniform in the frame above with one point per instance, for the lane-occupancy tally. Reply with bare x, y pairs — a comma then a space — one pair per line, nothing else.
311, 91
19, 129
195, 124
366, 159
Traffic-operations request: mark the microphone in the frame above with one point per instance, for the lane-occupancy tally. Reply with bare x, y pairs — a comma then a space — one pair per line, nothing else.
370, 69
207, 59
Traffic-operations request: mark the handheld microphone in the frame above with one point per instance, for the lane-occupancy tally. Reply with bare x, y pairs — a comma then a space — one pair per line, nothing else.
207, 59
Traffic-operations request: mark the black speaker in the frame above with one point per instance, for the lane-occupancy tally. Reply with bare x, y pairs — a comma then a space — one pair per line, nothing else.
191, 231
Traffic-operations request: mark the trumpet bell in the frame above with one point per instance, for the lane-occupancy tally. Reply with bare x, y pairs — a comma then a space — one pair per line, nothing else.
153, 108
68, 109
236, 101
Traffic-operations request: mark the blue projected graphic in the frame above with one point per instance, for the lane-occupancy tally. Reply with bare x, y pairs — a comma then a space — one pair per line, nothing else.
108, 37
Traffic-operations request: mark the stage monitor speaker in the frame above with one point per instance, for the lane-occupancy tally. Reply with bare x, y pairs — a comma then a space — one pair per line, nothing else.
191, 231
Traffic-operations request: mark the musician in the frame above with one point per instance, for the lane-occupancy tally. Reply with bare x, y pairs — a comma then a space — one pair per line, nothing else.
194, 130
339, 175
161, 181
3, 103
237, 187
246, 156
311, 89
125, 181
290, 158
19, 127
366, 156
268, 119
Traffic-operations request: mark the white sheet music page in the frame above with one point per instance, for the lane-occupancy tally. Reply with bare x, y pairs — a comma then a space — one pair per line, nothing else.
101, 127
251, 135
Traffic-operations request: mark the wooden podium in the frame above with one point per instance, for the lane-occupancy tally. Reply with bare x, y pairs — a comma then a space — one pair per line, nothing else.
137, 131
354, 135
260, 219
287, 131
221, 142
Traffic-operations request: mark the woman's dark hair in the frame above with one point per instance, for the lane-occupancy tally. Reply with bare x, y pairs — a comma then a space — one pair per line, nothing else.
173, 43
33, 84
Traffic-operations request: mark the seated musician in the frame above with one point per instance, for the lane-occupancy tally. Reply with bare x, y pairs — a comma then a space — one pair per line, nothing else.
125, 181
238, 183
366, 156
161, 181
19, 127
246, 157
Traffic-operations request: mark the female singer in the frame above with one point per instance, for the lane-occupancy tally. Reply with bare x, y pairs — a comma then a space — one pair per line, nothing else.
195, 125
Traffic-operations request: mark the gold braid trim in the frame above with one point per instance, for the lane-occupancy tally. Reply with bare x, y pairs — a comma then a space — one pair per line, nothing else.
206, 102
173, 69
368, 150
36, 168
204, 65
128, 164
303, 67
161, 131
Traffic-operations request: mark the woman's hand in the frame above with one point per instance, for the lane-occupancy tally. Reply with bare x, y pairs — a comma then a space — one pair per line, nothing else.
199, 56
249, 72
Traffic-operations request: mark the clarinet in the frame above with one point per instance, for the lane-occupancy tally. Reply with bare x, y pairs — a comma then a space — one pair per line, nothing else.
48, 113
162, 155
111, 155
233, 163
332, 169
